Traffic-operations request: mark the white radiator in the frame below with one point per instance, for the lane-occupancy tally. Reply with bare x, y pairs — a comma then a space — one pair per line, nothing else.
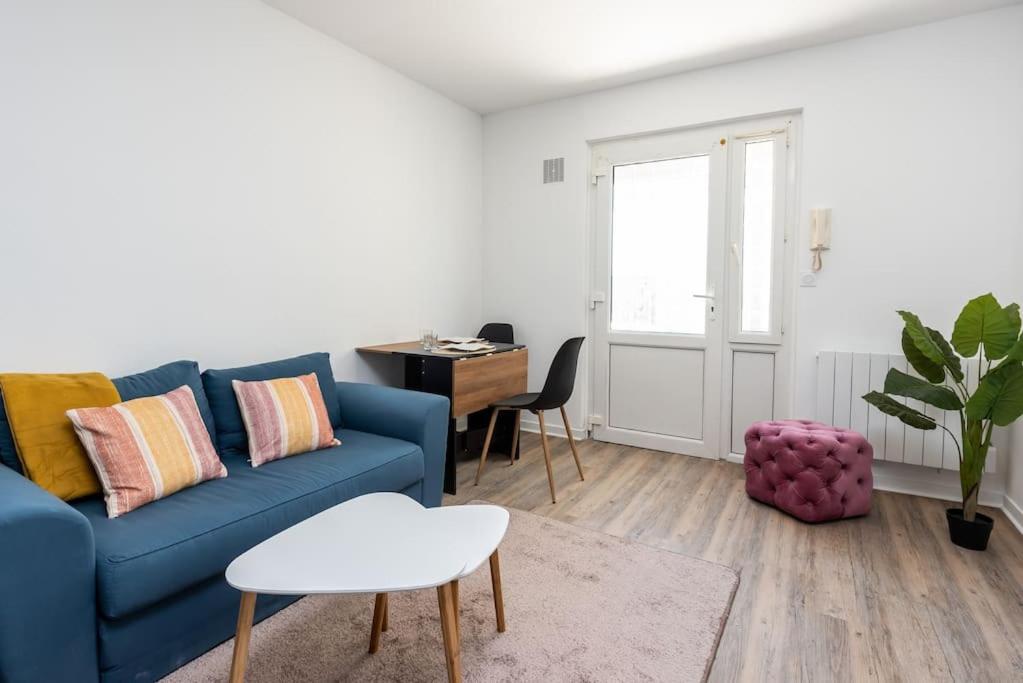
843, 377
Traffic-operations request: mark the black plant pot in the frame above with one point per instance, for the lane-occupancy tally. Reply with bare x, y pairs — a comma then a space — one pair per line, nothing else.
971, 535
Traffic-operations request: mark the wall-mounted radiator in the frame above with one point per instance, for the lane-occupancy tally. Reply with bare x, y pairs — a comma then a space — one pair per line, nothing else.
843, 377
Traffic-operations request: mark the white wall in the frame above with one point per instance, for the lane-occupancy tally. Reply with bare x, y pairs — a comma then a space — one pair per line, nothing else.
1014, 484
912, 137
211, 179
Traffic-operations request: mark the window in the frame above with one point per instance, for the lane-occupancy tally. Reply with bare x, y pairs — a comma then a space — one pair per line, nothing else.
757, 237
660, 219
756, 209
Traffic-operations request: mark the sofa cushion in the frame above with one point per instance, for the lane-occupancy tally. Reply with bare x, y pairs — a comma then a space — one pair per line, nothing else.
171, 544
231, 435
49, 450
147, 448
284, 417
163, 380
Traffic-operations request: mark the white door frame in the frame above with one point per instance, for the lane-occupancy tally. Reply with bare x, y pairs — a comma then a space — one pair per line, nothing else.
717, 441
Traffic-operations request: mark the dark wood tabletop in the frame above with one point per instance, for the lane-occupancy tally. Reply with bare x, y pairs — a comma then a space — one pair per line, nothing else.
414, 348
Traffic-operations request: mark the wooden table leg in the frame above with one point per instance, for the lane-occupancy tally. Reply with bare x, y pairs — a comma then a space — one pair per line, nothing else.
495, 579
241, 637
454, 606
447, 621
379, 610
387, 610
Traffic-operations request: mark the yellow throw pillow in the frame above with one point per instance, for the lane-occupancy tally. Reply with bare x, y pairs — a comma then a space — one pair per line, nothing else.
47, 446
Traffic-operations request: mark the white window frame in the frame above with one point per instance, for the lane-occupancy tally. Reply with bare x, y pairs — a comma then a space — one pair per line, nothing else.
780, 132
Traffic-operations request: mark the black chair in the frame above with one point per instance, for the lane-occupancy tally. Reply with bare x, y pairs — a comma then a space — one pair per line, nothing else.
502, 333
555, 394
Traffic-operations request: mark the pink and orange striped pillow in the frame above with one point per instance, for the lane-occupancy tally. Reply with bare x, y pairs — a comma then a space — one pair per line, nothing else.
147, 448
283, 417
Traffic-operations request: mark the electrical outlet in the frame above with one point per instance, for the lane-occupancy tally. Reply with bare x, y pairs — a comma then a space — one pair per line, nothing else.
808, 278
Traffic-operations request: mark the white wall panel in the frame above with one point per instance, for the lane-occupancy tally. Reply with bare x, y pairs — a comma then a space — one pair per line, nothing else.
752, 393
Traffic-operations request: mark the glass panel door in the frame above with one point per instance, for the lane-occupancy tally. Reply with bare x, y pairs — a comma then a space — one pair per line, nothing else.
688, 301
660, 249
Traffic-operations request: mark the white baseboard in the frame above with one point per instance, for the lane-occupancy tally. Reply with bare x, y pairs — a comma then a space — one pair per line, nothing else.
1014, 511
930, 484
928, 489
553, 429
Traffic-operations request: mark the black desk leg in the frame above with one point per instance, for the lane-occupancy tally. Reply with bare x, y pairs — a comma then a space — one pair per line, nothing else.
451, 460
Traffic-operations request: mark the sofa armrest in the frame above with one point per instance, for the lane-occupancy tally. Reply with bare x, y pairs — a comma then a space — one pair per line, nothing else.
402, 414
47, 586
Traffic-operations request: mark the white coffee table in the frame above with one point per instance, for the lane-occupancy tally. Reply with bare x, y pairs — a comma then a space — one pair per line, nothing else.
378, 543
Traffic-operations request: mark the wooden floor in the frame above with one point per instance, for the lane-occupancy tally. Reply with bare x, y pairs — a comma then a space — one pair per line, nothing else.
881, 598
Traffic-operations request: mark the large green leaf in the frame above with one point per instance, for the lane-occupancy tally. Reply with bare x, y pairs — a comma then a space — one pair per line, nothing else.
922, 338
933, 372
889, 406
1012, 311
999, 396
951, 359
1015, 354
899, 383
984, 321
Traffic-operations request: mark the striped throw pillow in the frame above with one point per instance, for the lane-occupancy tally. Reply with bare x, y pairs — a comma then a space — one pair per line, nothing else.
283, 417
147, 448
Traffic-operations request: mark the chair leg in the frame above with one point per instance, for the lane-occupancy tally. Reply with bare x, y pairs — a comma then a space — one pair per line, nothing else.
547, 455
571, 442
515, 436
486, 446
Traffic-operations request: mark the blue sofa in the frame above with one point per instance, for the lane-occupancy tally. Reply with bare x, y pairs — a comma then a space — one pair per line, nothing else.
87, 598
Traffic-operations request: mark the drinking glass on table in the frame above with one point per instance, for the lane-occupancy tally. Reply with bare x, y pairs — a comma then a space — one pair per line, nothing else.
428, 338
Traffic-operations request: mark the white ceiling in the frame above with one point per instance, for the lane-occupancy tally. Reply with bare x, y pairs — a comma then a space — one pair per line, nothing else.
497, 54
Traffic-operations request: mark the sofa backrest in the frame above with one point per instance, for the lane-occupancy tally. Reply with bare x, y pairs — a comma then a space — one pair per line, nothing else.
167, 378
231, 436
153, 382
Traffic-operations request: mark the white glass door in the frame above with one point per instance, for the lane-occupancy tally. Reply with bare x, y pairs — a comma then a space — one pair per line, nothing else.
658, 334
688, 287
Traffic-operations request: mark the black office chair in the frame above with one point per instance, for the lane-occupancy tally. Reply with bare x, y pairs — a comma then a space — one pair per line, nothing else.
502, 333
555, 394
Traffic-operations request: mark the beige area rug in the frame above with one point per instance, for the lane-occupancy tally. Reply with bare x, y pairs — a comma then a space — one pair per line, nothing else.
580, 606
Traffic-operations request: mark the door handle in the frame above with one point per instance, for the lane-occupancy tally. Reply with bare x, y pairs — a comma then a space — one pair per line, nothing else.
712, 309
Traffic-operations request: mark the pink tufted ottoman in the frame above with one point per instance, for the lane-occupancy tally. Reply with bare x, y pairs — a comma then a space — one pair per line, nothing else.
810, 470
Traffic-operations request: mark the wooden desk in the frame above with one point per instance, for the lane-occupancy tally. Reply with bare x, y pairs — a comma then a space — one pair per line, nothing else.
471, 381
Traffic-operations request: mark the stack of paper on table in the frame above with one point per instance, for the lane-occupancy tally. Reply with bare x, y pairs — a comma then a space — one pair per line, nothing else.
467, 347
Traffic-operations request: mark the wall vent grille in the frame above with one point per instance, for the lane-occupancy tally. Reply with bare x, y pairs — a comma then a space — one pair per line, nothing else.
554, 170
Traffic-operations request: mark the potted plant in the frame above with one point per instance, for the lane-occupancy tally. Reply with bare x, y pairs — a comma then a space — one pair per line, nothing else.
984, 329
